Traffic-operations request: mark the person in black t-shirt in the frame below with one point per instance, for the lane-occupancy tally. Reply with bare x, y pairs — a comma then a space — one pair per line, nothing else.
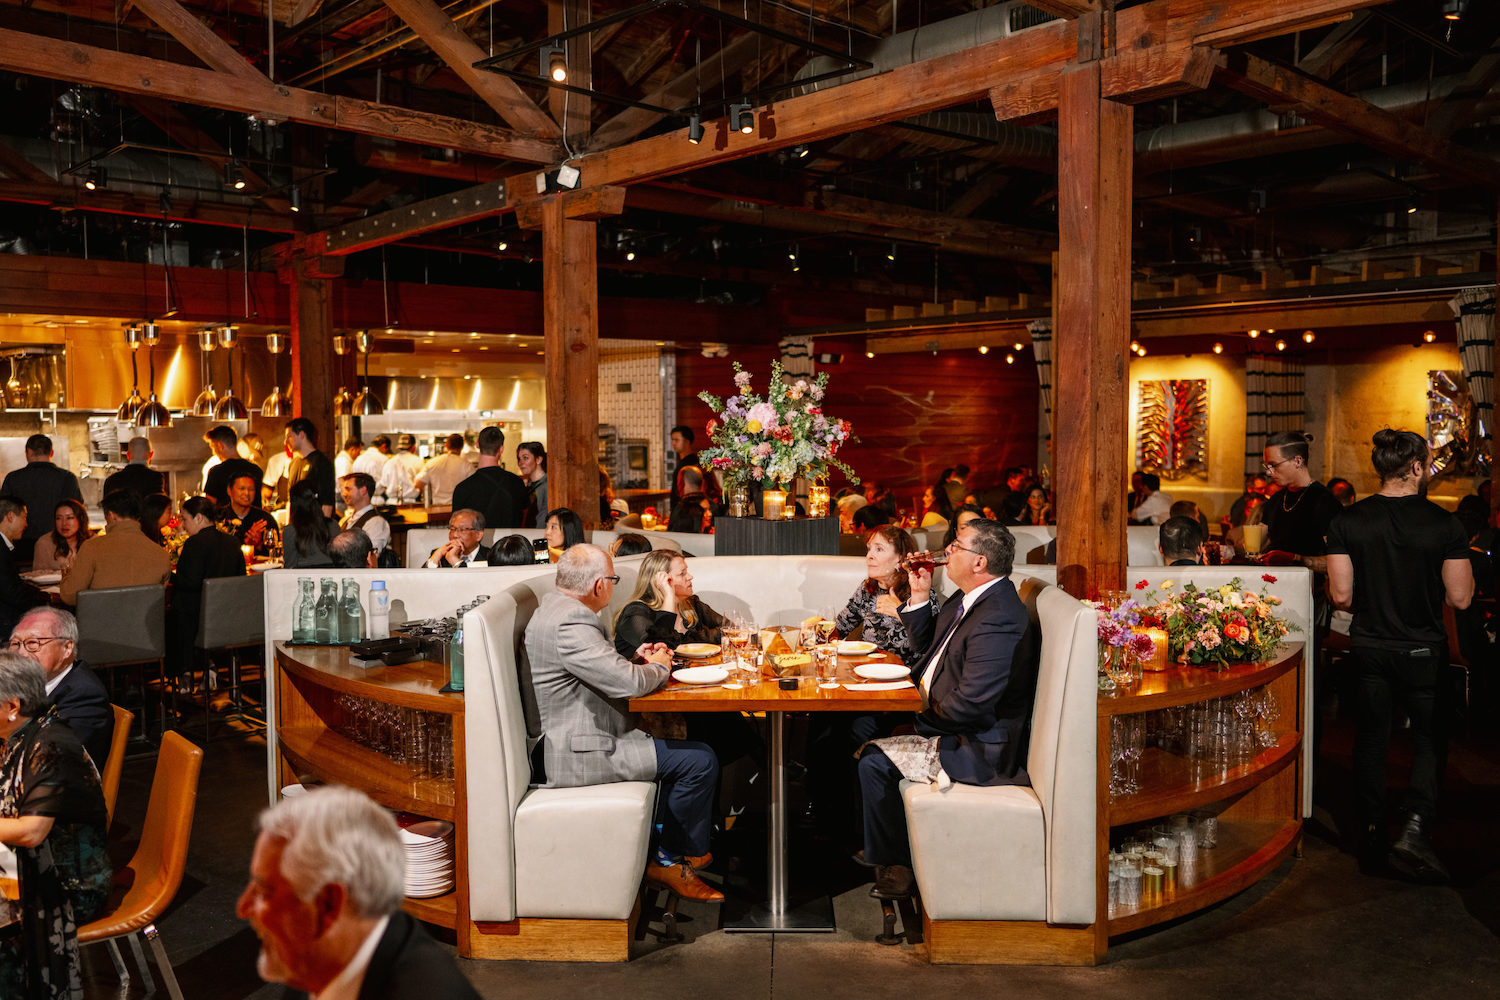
1298, 515
1393, 559
495, 492
310, 463
224, 443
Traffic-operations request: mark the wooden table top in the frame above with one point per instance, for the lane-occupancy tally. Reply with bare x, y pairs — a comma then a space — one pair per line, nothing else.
768, 697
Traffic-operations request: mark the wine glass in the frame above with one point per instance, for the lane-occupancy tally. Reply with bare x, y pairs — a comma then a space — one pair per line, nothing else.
737, 636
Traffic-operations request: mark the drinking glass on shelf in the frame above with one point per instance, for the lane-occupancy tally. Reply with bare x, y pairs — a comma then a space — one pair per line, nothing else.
1208, 832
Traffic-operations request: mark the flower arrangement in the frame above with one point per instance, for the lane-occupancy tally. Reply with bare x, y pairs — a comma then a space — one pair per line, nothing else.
1216, 627
1116, 627
777, 438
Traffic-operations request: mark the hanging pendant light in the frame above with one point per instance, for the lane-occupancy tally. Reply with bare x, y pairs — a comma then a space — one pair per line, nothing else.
134, 401
153, 414
366, 404
203, 406
229, 408
276, 404
343, 403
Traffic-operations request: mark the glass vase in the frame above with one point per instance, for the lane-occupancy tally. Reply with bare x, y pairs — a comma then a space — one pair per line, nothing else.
772, 504
817, 500
737, 499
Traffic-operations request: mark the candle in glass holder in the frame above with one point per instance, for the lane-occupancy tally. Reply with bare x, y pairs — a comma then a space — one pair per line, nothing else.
772, 504
248, 551
1158, 660
817, 500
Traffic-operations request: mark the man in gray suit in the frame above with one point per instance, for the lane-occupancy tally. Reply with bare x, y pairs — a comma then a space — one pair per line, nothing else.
589, 737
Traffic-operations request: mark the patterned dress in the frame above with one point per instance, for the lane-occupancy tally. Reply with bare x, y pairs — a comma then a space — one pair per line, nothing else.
65, 880
886, 631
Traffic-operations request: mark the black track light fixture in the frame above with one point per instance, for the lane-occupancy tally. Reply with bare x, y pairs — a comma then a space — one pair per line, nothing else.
95, 178
742, 117
234, 175
554, 59
695, 129
296, 198
1453, 10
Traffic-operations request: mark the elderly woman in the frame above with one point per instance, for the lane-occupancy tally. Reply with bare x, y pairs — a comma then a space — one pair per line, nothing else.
885, 589
52, 813
663, 607
57, 548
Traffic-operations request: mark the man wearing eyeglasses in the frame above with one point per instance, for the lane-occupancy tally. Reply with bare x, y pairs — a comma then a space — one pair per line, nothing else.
50, 637
465, 533
1298, 515
580, 686
977, 670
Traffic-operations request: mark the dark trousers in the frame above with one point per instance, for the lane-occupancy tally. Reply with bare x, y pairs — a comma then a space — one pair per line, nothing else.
833, 738
885, 816
1418, 684
688, 774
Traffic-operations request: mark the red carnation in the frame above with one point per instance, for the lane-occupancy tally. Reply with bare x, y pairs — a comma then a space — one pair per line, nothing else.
1268, 577
1141, 585
713, 425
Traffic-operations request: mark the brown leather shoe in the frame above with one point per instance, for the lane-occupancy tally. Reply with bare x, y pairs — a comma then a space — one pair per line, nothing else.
701, 860
681, 879
893, 882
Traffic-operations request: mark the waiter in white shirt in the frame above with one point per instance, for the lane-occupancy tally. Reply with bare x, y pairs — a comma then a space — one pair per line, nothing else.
356, 488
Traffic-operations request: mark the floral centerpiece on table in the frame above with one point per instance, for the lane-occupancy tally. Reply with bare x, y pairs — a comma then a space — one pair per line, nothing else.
1117, 625
780, 437
1216, 627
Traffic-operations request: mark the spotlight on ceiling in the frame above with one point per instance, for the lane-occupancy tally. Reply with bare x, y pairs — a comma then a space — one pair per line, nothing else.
891, 253
1308, 336
983, 349
296, 198
1454, 9
1135, 346
234, 175
1010, 359
869, 354
1254, 334
1218, 348
742, 118
95, 178
1411, 206
695, 128
1281, 345
1428, 336
801, 150
630, 255
555, 63
502, 245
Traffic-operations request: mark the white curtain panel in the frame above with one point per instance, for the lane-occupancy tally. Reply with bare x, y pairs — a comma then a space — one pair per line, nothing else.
1475, 312
797, 357
1041, 346
1275, 400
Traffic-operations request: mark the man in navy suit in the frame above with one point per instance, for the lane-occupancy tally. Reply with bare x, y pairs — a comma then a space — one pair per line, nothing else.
977, 672
50, 636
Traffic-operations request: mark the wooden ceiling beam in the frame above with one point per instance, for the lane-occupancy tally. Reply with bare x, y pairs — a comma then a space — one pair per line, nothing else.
633, 121
65, 198
1066, 8
56, 59
196, 36
459, 52
1319, 103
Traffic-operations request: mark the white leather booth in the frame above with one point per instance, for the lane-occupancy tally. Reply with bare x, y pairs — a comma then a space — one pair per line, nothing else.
421, 541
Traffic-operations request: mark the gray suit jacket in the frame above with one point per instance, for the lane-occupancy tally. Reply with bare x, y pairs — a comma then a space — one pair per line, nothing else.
580, 686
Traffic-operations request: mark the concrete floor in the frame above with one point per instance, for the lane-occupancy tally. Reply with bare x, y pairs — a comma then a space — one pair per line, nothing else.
1315, 928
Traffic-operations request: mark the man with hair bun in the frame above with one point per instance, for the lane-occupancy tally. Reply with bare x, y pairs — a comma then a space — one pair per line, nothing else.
326, 884
1394, 558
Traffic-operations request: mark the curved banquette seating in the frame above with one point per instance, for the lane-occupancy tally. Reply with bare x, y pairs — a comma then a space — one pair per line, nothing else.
421, 541
553, 872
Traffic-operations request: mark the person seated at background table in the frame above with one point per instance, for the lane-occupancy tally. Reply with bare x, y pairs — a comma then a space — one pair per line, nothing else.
120, 556
352, 549
1181, 540
227, 465
663, 608
1189, 508
869, 517
304, 540
1038, 510
465, 542
564, 529
512, 550
156, 514
16, 595
977, 672
58, 548
629, 543
580, 684
1157, 506
327, 880
207, 554
357, 489
961, 517
935, 507
50, 637
692, 505
246, 523
52, 812
1012, 511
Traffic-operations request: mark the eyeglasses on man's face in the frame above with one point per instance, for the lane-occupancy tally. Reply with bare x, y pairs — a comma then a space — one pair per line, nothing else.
1270, 467
34, 643
454, 529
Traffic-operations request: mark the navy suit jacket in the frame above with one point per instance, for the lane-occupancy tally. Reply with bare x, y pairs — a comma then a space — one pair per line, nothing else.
983, 691
406, 964
16, 595
83, 703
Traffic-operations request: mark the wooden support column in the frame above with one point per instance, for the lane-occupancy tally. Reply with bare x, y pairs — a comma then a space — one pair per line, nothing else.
311, 282
570, 316
1494, 438
1092, 337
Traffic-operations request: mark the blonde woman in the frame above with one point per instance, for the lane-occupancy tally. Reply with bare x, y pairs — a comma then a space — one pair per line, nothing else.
663, 607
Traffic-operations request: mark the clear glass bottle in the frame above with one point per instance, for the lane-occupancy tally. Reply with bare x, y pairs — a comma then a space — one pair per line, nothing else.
326, 612
351, 614
304, 611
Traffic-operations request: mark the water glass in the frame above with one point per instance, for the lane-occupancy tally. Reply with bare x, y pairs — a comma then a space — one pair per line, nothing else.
1208, 832
826, 658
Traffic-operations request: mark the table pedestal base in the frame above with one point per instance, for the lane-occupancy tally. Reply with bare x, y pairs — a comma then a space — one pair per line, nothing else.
812, 917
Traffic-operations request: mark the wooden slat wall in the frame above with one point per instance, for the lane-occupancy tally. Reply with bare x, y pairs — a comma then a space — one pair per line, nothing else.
914, 414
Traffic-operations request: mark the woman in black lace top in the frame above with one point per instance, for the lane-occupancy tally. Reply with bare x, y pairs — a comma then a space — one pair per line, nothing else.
876, 601
664, 608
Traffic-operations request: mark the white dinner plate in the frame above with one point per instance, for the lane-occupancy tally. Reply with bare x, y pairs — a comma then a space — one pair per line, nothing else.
432, 829
44, 579
856, 647
697, 650
882, 672
428, 892
701, 675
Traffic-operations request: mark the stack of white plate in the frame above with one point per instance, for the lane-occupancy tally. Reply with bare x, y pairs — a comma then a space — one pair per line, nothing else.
429, 858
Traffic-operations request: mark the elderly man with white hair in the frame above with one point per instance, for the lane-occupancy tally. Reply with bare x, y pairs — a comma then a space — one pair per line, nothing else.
589, 736
50, 637
326, 883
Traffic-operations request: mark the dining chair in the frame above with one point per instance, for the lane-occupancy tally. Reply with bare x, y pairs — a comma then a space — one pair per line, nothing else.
125, 626
146, 886
114, 764
232, 618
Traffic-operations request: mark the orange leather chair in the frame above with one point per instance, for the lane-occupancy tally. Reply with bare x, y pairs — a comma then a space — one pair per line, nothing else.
151, 879
114, 764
